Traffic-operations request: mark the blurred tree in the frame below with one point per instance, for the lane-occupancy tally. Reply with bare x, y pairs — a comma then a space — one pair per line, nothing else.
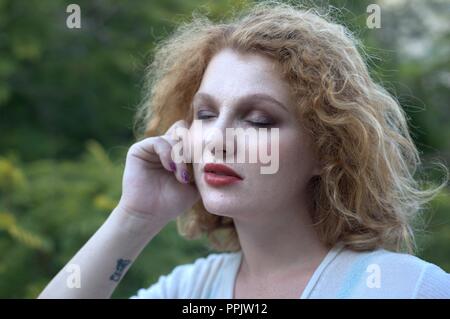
60, 86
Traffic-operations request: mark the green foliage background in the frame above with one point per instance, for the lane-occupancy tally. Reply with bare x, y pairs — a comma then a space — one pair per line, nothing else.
67, 98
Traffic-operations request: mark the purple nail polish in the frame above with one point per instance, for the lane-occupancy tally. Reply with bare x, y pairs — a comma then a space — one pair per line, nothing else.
173, 167
185, 176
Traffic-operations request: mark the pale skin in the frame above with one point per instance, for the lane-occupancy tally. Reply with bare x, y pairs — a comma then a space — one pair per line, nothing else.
280, 247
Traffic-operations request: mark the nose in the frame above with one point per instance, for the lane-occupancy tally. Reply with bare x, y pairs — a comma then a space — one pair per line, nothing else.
217, 143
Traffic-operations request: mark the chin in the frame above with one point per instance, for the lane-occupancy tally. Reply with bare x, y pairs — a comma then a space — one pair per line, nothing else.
222, 206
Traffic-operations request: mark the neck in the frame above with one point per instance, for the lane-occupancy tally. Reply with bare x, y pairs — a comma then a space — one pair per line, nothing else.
276, 245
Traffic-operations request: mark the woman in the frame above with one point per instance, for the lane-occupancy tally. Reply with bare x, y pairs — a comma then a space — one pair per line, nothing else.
334, 220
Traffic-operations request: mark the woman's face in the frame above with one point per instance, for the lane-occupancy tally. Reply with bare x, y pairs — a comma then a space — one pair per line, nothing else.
222, 101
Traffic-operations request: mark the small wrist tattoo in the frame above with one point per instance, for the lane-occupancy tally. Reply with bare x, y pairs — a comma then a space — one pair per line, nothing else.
120, 267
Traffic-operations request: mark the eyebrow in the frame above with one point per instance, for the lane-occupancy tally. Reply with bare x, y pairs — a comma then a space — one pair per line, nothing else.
243, 100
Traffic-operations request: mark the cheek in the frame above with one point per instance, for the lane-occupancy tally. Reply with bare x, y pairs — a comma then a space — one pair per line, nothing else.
195, 137
261, 144
294, 158
289, 155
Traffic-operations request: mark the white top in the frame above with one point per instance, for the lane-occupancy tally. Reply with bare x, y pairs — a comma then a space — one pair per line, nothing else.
343, 273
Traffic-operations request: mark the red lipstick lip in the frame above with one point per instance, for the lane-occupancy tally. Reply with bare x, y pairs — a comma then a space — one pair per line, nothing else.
227, 175
220, 168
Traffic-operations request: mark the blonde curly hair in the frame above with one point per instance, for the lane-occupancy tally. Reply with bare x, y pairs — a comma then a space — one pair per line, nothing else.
366, 195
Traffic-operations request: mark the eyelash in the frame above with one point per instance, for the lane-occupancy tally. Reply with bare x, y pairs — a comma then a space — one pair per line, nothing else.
260, 124
257, 124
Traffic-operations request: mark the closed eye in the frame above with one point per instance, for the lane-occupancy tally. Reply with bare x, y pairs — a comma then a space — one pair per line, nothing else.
261, 124
204, 115
261, 121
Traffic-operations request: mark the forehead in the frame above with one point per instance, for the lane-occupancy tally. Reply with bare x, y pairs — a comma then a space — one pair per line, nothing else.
231, 75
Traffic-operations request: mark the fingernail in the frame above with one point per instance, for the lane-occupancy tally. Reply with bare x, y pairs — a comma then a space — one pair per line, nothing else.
173, 167
185, 176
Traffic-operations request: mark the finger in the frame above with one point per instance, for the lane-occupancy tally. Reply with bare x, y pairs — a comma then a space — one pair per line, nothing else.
179, 167
179, 136
153, 150
179, 131
157, 151
172, 129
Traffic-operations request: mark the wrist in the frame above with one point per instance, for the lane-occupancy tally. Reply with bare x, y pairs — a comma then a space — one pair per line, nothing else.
135, 225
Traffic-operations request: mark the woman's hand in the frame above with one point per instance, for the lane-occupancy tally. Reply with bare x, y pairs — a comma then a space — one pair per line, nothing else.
154, 186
